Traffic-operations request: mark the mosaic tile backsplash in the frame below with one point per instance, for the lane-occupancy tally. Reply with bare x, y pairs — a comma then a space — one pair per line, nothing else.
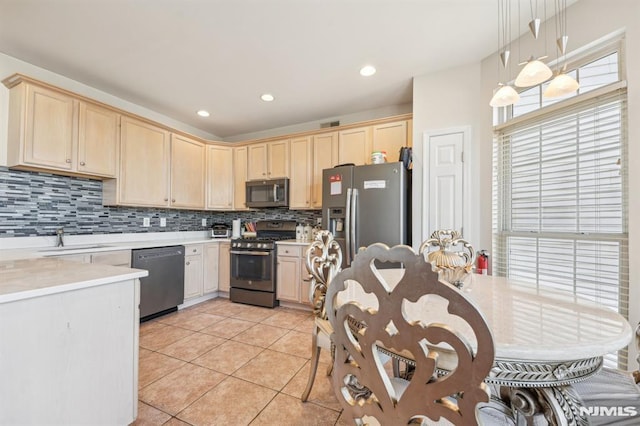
36, 204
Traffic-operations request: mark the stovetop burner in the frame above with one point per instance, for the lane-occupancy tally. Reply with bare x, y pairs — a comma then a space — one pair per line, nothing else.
268, 232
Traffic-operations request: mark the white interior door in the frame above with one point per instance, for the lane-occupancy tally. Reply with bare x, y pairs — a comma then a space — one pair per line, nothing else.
445, 208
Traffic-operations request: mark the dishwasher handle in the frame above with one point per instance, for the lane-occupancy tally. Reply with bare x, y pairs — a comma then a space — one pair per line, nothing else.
148, 254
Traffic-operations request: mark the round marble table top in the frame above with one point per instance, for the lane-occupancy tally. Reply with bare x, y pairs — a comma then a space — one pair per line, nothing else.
526, 324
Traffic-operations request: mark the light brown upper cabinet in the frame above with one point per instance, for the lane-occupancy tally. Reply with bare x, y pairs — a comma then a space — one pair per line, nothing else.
187, 173
239, 178
144, 166
300, 183
268, 160
220, 177
53, 131
354, 146
390, 137
325, 156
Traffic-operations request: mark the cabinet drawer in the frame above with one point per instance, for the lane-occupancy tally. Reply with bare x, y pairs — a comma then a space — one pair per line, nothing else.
193, 249
114, 258
294, 251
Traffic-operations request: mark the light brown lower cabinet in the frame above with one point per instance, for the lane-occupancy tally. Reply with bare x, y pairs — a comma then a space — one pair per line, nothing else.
292, 277
193, 271
224, 271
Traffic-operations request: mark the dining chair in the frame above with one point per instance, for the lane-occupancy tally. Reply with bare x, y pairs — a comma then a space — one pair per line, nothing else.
612, 396
454, 257
384, 323
323, 261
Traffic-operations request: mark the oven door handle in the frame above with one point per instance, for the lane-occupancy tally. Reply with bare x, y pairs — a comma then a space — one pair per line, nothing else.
252, 253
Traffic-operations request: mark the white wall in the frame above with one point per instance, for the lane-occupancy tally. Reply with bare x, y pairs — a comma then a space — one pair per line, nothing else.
10, 65
443, 100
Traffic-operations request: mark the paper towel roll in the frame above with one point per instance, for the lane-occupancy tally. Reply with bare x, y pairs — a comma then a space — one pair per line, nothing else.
235, 230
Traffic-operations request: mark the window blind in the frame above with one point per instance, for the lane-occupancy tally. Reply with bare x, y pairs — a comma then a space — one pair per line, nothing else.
560, 201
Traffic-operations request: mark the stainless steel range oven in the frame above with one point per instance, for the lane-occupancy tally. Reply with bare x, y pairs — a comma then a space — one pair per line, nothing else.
253, 264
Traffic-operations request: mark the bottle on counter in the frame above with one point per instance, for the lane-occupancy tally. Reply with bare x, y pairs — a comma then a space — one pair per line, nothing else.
299, 232
307, 232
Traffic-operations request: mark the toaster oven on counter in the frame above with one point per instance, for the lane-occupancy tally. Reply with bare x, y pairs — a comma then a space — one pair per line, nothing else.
220, 230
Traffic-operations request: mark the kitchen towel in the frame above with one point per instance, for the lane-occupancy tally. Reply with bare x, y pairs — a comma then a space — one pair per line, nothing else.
235, 230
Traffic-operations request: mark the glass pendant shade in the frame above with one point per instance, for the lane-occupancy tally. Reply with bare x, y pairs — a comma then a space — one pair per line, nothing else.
535, 72
561, 85
504, 96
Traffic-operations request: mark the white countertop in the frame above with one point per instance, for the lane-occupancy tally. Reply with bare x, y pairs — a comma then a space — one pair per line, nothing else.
38, 247
30, 266
293, 243
28, 278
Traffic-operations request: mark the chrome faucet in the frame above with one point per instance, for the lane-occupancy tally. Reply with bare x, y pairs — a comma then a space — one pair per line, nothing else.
60, 234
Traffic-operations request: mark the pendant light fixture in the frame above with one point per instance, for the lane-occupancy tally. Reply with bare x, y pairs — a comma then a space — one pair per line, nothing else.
563, 84
504, 94
535, 71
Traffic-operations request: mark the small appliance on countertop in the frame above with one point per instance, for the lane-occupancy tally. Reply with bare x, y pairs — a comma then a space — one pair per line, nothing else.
220, 230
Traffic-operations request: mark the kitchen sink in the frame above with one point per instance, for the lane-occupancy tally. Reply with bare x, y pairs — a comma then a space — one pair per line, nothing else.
76, 247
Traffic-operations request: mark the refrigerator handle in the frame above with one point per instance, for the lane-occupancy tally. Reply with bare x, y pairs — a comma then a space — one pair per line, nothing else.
347, 228
354, 208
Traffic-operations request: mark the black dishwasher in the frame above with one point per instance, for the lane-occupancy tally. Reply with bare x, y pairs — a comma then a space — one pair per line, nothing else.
163, 290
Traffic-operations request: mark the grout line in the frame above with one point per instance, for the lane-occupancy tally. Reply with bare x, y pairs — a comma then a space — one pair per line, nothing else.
227, 376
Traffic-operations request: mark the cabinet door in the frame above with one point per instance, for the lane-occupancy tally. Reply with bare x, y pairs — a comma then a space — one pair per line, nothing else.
354, 146
187, 173
98, 134
144, 164
257, 165
390, 137
410, 133
220, 177
300, 184
325, 156
50, 128
193, 276
278, 159
211, 270
288, 286
305, 283
224, 267
239, 178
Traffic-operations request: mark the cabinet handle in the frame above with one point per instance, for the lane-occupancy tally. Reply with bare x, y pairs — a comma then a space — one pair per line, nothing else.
188, 263
82, 163
68, 160
173, 200
166, 199
195, 250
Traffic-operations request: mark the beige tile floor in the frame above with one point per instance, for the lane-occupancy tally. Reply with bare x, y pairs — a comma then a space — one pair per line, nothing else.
222, 363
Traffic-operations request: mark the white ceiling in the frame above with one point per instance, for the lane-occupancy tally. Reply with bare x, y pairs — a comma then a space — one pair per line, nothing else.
177, 56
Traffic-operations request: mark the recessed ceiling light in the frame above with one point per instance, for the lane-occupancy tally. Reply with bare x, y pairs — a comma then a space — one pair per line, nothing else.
367, 71
203, 113
267, 97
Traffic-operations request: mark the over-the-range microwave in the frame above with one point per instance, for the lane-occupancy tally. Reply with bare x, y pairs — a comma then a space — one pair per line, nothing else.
267, 193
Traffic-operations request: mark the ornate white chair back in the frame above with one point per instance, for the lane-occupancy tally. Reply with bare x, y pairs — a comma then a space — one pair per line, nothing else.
360, 330
454, 257
323, 260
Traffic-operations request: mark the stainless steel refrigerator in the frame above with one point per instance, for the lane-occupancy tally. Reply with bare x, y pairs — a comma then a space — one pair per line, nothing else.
362, 205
